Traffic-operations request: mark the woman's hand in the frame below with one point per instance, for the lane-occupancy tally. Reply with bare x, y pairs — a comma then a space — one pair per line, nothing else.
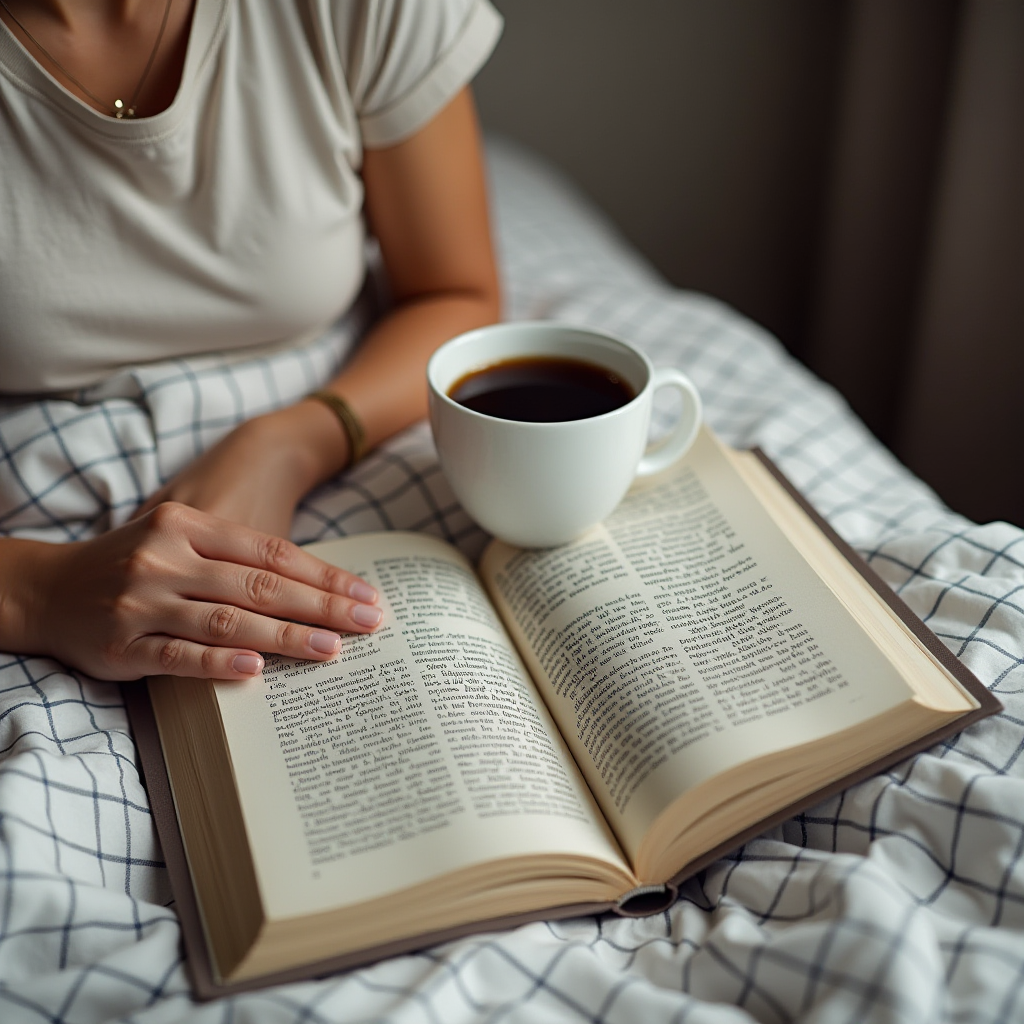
177, 592
259, 473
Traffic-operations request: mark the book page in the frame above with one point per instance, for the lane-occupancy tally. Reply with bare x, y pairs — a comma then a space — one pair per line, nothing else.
684, 637
420, 749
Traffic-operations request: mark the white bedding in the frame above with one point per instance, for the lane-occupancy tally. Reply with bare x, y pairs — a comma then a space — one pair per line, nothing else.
901, 900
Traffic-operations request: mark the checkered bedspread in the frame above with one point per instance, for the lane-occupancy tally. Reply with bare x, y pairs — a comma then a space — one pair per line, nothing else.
901, 900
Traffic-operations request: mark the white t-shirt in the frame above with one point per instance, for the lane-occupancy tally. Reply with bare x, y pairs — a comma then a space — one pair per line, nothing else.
230, 221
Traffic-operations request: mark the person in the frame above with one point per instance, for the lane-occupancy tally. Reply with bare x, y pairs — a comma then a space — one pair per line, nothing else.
189, 176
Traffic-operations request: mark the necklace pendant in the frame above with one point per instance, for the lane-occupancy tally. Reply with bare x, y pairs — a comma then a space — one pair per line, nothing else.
119, 110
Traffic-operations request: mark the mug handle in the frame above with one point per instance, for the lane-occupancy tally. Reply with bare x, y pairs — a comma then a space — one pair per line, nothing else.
663, 453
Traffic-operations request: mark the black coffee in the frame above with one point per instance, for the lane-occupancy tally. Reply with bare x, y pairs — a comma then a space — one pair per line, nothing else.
540, 389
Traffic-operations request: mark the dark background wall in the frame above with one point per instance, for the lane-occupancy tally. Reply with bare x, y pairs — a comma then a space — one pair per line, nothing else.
848, 173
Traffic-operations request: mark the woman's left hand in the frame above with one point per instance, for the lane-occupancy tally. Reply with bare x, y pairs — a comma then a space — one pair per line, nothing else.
259, 473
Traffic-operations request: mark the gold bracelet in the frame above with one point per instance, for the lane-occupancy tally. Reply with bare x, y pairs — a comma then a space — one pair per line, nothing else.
348, 420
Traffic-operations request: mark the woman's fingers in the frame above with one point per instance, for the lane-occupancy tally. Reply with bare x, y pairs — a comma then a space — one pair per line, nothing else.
268, 594
262, 574
222, 641
168, 655
217, 540
250, 591
228, 625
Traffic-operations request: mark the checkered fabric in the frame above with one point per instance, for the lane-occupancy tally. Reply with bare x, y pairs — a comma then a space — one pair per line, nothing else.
900, 900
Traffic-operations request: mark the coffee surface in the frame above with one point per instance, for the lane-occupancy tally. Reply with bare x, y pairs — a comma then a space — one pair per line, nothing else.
542, 389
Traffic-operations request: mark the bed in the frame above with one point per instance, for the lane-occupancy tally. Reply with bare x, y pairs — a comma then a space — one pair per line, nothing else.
900, 900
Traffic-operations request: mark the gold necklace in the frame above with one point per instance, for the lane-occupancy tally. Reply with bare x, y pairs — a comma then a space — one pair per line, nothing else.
119, 109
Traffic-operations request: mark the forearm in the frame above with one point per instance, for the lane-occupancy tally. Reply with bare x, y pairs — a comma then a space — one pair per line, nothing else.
25, 565
385, 384
426, 201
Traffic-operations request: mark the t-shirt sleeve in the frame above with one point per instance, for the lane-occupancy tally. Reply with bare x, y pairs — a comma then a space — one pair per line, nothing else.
405, 59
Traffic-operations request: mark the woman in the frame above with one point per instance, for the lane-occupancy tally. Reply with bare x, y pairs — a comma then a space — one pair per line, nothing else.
187, 176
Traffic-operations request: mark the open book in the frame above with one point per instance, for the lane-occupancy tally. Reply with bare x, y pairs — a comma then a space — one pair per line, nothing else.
556, 732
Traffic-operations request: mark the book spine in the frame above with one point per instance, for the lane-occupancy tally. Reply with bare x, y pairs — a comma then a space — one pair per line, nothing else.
645, 900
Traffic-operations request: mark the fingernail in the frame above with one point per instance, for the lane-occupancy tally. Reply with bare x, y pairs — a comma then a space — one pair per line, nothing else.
324, 643
247, 664
366, 614
362, 592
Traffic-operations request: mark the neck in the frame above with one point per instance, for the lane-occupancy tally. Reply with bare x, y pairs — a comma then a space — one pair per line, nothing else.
70, 14
122, 57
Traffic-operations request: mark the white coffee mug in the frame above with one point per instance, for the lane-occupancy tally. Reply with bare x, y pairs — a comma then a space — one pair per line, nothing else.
542, 484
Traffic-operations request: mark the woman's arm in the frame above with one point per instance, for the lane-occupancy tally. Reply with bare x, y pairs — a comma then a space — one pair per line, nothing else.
179, 591
426, 202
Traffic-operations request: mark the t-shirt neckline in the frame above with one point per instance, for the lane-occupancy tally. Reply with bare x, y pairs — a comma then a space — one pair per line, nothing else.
19, 66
